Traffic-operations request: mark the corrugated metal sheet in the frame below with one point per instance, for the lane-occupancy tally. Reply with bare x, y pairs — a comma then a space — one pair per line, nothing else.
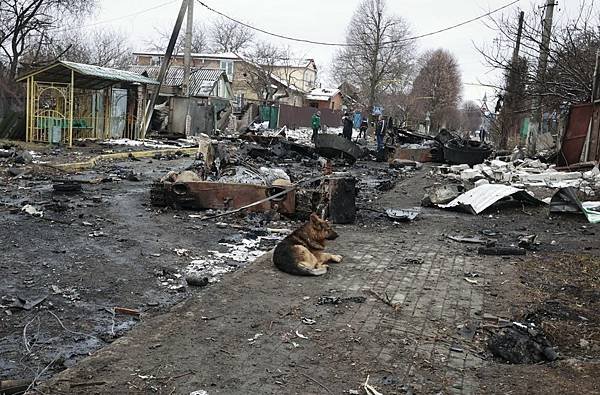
478, 199
202, 81
108, 74
60, 72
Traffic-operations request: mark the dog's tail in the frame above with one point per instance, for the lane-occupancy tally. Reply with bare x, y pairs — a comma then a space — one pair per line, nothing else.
298, 269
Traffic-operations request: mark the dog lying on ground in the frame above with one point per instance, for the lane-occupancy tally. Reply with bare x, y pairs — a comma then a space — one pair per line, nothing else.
301, 252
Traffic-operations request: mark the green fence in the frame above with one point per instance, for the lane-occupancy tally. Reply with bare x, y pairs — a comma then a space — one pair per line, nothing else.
271, 114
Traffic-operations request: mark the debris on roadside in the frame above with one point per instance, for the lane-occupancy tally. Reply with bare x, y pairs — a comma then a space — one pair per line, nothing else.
470, 240
501, 251
405, 163
404, 215
527, 242
565, 200
479, 199
522, 173
66, 186
441, 194
126, 311
521, 344
460, 151
25, 304
33, 211
336, 300
196, 280
369, 389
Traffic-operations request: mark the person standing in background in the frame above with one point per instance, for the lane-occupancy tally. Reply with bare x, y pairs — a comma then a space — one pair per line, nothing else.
364, 125
347, 126
316, 125
379, 133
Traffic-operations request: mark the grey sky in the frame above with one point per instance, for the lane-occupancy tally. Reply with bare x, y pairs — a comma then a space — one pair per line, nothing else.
326, 20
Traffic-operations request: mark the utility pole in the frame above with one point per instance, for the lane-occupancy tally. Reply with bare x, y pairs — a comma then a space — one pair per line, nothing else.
510, 98
164, 66
541, 75
515, 57
187, 63
187, 57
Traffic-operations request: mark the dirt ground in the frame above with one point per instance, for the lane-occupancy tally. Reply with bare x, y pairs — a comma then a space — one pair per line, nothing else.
107, 247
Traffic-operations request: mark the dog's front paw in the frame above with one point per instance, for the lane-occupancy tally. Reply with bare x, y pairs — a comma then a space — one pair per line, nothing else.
336, 258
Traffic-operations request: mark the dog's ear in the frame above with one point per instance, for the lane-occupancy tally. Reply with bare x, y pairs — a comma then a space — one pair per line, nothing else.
314, 218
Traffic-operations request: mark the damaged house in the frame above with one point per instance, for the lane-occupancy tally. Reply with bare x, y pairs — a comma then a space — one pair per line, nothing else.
210, 92
299, 76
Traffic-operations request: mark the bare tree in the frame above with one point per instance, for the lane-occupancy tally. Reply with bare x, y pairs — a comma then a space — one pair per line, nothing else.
26, 23
108, 48
470, 114
437, 88
268, 70
228, 36
161, 40
571, 60
377, 58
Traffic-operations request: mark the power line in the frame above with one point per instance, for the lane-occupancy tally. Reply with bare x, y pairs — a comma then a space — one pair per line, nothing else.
140, 12
346, 44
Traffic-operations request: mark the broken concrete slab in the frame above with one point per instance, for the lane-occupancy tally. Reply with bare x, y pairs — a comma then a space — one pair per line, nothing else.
471, 175
480, 198
441, 194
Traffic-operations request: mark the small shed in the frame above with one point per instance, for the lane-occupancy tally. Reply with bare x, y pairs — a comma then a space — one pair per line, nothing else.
67, 101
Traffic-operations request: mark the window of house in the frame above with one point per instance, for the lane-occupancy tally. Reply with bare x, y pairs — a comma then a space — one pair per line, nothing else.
155, 61
227, 66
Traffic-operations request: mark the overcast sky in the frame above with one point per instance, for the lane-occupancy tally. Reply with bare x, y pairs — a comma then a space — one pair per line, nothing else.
327, 20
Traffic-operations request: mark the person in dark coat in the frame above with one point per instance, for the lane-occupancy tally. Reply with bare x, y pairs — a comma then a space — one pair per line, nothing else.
364, 125
380, 132
347, 123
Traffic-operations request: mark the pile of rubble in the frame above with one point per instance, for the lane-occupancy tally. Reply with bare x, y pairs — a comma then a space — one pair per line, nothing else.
523, 173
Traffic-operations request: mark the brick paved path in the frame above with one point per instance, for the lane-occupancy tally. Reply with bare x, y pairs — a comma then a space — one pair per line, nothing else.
205, 342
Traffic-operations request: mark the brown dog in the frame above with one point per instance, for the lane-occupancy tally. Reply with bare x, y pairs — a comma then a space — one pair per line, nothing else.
301, 252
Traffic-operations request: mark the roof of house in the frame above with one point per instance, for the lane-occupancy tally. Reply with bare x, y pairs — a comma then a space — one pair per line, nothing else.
202, 81
87, 76
224, 55
322, 94
292, 62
